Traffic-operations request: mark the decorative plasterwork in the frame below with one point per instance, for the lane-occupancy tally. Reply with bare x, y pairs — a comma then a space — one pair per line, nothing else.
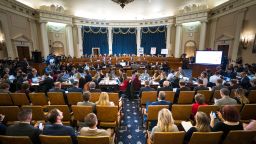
224, 37
192, 8
21, 38
45, 16
59, 29
229, 7
52, 8
191, 17
18, 8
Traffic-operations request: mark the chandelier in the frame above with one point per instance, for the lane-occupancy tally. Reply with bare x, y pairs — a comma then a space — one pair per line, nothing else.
122, 2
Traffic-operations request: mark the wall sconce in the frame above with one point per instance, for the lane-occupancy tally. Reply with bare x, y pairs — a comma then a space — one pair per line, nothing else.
245, 41
2, 43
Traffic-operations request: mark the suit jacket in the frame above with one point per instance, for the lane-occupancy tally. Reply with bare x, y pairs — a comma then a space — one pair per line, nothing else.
94, 90
147, 88
75, 89
245, 83
162, 102
169, 88
225, 101
60, 130
46, 84
87, 103
24, 129
201, 87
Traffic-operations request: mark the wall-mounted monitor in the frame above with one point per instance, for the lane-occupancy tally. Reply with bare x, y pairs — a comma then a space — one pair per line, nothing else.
208, 57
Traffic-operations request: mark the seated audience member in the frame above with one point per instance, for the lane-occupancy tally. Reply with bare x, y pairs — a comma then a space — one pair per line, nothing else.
202, 125
230, 73
57, 88
2, 126
86, 102
46, 83
166, 87
229, 117
200, 100
124, 85
200, 86
146, 88
23, 128
75, 87
33, 74
136, 83
204, 77
215, 77
170, 76
250, 126
240, 96
162, 78
245, 81
156, 76
253, 84
92, 87
165, 123
225, 99
183, 87
175, 80
92, 130
24, 89
4, 88
219, 85
180, 72
104, 100
233, 84
145, 75
56, 128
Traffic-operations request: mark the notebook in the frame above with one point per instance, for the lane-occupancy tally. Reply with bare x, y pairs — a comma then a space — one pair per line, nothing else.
186, 125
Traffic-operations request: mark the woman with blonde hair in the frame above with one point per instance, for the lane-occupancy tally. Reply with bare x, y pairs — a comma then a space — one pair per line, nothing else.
104, 100
202, 125
165, 123
240, 96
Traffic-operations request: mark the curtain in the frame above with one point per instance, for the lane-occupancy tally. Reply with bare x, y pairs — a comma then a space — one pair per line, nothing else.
95, 37
153, 37
124, 41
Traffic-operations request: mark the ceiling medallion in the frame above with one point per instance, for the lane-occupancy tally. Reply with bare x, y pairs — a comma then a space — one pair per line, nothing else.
123, 2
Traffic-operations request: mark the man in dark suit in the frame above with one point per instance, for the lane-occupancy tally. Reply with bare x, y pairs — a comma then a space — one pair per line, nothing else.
183, 87
166, 87
47, 83
245, 81
56, 128
146, 88
57, 88
75, 87
92, 87
23, 128
200, 86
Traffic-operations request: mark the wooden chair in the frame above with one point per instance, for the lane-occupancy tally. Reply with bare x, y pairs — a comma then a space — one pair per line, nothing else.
207, 109
169, 96
65, 110
10, 112
56, 98
153, 112
181, 113
94, 97
79, 112
19, 99
216, 94
207, 95
37, 112
148, 96
107, 116
114, 97
93, 139
74, 97
252, 96
186, 97
248, 112
38, 99
239, 137
206, 138
46, 139
5, 99
168, 137
15, 140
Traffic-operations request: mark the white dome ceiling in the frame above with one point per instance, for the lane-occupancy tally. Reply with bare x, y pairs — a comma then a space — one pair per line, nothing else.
108, 10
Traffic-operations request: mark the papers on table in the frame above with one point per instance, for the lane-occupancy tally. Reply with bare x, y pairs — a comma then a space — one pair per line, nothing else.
186, 125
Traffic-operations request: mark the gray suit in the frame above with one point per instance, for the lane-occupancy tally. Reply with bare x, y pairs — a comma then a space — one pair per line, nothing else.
225, 101
87, 103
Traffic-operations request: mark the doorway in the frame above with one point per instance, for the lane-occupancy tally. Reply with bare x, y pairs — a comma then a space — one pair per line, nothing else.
23, 52
95, 51
224, 49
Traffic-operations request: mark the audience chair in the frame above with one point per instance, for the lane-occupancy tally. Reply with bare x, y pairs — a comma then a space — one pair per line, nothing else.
79, 112
252, 96
168, 137
74, 97
207, 94
19, 99
148, 96
153, 112
66, 112
181, 112
5, 99
207, 109
248, 112
15, 140
107, 116
56, 98
46, 139
216, 94
169, 96
10, 113
94, 97
239, 137
206, 138
38, 99
186, 97
93, 139
37, 112
114, 97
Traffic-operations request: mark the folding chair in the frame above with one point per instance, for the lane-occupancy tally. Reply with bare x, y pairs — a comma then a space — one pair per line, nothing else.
19, 99
74, 98
46, 139
38, 99
239, 137
181, 112
206, 138
114, 97
107, 116
79, 112
207, 95
248, 112
207, 109
93, 139
94, 97
186, 97
56, 98
147, 96
168, 137
37, 112
15, 139
252, 96
153, 112
5, 99
169, 96
11, 113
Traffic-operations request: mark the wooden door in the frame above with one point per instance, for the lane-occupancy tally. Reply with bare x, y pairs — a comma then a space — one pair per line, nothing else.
224, 49
23, 52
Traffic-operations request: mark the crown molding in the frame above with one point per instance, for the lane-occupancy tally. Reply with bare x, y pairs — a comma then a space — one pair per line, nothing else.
192, 17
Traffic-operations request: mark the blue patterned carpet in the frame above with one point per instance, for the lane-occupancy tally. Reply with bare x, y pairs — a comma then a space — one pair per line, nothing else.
131, 130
